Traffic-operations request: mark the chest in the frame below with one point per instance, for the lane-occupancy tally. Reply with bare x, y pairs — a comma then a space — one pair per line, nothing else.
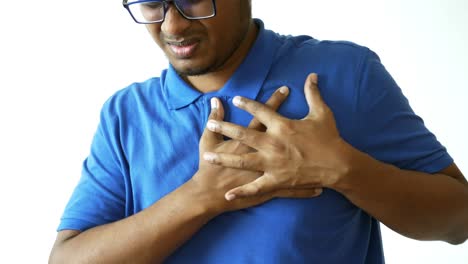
162, 149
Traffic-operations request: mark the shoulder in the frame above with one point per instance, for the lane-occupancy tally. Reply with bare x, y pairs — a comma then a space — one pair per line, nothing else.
131, 99
340, 66
336, 62
325, 53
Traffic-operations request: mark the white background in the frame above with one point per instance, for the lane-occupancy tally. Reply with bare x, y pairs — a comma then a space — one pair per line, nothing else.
60, 60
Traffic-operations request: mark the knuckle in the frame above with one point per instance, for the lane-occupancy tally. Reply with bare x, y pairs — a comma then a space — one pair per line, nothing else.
255, 107
238, 133
255, 190
276, 145
255, 138
241, 163
238, 147
213, 115
286, 126
323, 113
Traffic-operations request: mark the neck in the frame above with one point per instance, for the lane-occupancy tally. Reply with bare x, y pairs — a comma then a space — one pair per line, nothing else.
216, 80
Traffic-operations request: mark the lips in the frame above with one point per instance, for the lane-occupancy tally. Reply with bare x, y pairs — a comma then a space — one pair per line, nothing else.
183, 49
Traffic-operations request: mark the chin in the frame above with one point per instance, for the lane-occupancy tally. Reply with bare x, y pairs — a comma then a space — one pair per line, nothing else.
192, 70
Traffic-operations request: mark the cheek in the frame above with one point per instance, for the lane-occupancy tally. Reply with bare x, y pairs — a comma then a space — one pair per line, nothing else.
225, 34
155, 31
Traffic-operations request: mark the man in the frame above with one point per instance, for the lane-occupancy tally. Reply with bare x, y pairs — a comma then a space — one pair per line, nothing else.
162, 184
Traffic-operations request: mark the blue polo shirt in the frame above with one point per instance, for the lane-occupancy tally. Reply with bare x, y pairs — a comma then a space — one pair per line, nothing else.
146, 146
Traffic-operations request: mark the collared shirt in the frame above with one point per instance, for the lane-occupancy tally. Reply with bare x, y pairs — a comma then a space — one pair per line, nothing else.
146, 146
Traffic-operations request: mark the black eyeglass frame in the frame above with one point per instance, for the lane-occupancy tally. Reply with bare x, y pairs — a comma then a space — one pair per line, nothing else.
165, 8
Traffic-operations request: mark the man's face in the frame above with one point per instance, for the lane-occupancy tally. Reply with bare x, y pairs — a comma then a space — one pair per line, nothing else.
196, 47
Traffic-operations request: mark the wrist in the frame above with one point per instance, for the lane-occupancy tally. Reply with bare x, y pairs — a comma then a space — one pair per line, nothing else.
355, 169
202, 198
345, 158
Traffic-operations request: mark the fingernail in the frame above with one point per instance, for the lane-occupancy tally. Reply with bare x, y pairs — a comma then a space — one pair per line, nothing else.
230, 196
214, 103
237, 101
209, 156
314, 78
212, 125
284, 90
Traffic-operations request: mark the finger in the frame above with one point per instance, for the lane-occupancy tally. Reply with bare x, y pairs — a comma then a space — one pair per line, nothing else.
312, 94
209, 138
261, 112
249, 161
298, 193
249, 137
274, 102
260, 186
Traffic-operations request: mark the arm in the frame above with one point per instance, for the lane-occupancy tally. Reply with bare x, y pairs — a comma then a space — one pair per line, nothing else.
310, 153
149, 236
415, 204
153, 234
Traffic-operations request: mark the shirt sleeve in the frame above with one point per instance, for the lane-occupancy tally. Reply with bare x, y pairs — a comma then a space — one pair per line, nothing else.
99, 197
387, 127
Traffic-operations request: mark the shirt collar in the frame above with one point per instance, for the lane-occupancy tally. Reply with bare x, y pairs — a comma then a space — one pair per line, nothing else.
246, 81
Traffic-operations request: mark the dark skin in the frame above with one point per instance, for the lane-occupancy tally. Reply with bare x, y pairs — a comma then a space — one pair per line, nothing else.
217, 54
310, 153
154, 233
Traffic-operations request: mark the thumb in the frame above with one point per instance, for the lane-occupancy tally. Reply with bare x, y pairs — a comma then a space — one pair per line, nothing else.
209, 139
312, 94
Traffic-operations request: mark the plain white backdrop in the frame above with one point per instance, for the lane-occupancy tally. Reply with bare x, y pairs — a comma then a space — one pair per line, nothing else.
60, 60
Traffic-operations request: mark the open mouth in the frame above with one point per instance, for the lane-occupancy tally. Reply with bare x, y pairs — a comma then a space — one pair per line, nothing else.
184, 49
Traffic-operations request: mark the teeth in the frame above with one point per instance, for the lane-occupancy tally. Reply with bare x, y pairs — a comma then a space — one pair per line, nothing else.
181, 44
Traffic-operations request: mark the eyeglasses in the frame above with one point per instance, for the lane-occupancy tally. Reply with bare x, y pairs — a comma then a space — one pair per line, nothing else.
154, 11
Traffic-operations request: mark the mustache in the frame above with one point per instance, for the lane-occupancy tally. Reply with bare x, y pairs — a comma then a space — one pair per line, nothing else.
180, 40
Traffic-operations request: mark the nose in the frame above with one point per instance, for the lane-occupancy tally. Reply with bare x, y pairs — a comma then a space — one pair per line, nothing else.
174, 23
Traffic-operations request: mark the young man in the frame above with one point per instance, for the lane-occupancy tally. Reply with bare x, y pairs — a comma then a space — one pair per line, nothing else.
309, 186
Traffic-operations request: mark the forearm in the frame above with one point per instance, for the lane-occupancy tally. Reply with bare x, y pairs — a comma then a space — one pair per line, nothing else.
147, 237
418, 205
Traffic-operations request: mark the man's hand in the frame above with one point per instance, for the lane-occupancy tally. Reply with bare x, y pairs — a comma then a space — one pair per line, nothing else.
292, 154
309, 153
213, 181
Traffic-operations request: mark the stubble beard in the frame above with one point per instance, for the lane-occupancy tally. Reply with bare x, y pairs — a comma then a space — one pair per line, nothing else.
217, 64
212, 67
